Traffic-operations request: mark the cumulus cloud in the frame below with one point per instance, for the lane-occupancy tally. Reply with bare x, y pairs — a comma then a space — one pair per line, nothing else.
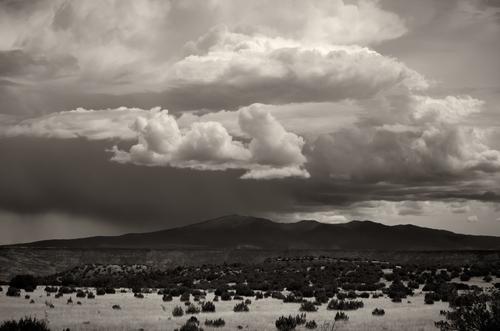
257, 68
272, 152
114, 48
422, 141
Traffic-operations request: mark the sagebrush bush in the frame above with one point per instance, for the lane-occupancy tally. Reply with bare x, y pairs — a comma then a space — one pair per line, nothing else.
177, 311
215, 323
192, 309
192, 324
13, 292
341, 316
24, 324
308, 306
208, 307
287, 323
378, 312
241, 307
311, 324
344, 304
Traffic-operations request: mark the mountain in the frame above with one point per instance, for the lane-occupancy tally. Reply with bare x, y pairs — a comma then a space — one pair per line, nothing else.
246, 232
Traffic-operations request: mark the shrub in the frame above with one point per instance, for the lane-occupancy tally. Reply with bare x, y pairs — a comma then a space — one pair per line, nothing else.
192, 324
241, 307
24, 324
192, 309
308, 306
13, 292
208, 307
178, 311
90, 295
100, 291
430, 297
248, 301
185, 296
139, 295
311, 325
51, 289
482, 315
364, 295
290, 323
65, 290
215, 323
109, 290
344, 304
225, 296
25, 282
341, 316
167, 297
116, 307
378, 312
80, 294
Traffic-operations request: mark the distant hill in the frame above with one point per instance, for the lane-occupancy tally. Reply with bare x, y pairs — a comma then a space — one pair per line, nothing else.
246, 232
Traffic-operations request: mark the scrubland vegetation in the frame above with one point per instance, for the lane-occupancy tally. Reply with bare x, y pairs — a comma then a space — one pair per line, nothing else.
328, 291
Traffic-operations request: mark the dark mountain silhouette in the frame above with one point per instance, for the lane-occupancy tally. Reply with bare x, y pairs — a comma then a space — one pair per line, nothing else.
245, 232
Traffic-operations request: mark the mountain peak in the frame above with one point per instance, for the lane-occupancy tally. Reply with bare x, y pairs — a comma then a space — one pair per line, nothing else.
240, 231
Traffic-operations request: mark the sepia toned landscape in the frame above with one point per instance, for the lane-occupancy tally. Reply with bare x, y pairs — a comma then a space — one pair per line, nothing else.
260, 165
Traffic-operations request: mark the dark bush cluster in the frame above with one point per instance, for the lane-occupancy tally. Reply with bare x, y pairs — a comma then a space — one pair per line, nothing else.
479, 312
215, 323
241, 307
287, 323
13, 292
341, 316
308, 306
192, 309
344, 304
311, 325
24, 324
208, 307
192, 324
24, 282
177, 311
378, 312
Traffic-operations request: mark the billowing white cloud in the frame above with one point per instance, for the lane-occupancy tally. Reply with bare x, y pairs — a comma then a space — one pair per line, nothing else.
271, 153
424, 140
277, 70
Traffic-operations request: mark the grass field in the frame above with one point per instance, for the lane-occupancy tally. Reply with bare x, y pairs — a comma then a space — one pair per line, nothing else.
151, 313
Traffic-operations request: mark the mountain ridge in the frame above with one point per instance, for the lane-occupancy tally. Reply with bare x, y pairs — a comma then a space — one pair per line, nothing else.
239, 231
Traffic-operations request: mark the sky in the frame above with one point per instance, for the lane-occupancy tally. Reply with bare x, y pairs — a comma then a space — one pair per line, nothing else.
133, 116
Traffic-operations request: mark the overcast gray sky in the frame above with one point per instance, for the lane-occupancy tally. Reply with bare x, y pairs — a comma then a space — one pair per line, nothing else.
119, 116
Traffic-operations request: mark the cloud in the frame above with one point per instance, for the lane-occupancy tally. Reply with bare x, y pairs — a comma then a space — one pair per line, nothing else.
272, 151
257, 68
87, 123
472, 219
72, 49
459, 207
420, 139
410, 208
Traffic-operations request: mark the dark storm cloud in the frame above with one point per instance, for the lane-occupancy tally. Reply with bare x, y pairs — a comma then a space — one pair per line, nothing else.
45, 175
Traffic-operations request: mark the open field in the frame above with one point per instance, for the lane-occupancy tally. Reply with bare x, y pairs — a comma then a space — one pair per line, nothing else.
412, 296
151, 313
